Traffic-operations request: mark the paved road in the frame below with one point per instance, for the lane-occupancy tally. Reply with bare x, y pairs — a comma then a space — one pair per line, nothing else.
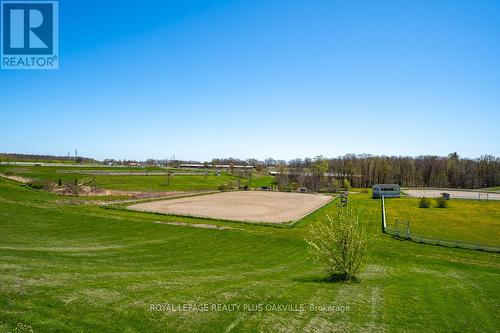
454, 194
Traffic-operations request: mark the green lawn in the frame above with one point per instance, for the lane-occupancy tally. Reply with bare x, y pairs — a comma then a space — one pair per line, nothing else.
86, 269
137, 183
465, 220
492, 189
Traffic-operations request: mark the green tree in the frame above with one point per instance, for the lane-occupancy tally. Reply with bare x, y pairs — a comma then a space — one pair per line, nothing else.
319, 168
347, 184
335, 185
340, 244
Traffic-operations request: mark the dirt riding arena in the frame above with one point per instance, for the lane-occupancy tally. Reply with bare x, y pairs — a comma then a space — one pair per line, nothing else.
454, 194
251, 206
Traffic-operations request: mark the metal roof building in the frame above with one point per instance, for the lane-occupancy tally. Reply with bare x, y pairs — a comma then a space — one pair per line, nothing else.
386, 190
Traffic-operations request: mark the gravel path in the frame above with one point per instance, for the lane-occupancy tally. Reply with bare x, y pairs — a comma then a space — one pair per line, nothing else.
454, 194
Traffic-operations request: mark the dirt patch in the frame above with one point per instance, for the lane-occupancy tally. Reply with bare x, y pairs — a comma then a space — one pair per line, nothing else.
196, 225
18, 179
87, 191
454, 194
251, 206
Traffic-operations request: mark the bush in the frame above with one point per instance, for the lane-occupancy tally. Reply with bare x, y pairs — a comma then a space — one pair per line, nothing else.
222, 187
340, 245
441, 202
9, 173
35, 184
425, 202
72, 189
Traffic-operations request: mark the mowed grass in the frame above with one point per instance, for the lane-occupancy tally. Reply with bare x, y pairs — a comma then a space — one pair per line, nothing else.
139, 182
492, 189
86, 269
465, 220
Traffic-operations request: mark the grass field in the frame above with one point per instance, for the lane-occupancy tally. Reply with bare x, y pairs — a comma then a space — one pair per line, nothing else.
466, 220
82, 268
492, 189
136, 183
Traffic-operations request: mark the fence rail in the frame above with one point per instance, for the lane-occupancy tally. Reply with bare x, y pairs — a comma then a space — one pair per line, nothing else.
405, 233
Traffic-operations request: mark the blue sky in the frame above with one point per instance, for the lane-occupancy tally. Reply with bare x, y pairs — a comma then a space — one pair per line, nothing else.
204, 79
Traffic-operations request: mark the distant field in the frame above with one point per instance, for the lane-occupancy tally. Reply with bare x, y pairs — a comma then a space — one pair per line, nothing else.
492, 189
137, 182
466, 220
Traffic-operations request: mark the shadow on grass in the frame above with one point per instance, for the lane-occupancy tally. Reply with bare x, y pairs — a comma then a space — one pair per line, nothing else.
336, 278
398, 238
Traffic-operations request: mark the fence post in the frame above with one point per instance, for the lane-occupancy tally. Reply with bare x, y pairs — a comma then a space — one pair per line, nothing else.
383, 215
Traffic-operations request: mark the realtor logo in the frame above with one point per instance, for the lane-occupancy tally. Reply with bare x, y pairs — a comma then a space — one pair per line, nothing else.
29, 34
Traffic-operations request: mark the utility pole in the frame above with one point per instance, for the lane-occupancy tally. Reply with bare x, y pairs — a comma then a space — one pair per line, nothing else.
168, 177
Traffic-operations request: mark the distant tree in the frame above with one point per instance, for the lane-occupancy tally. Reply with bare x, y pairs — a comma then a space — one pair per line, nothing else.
319, 168
366, 170
335, 185
347, 184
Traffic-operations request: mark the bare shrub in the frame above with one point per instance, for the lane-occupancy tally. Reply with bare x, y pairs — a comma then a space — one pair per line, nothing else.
425, 202
441, 202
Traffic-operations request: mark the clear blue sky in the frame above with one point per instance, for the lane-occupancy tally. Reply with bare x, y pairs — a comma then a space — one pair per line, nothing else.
203, 79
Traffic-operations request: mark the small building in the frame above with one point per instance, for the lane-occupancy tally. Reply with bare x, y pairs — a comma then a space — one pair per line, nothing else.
386, 190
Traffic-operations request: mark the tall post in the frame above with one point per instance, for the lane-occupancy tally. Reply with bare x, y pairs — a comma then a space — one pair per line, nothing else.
383, 214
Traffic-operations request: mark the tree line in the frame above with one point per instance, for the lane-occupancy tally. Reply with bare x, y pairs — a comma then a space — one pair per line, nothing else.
366, 170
